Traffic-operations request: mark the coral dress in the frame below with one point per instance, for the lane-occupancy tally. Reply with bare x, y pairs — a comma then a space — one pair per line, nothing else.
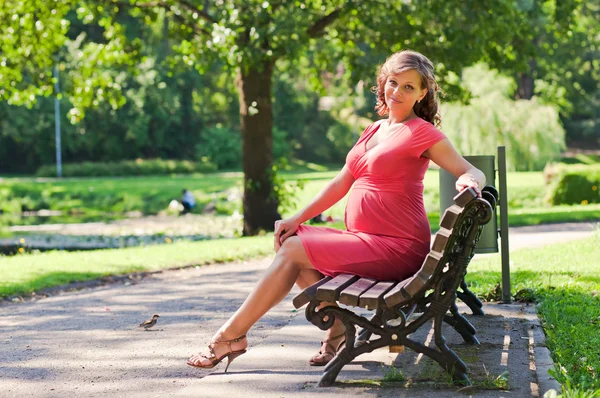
388, 234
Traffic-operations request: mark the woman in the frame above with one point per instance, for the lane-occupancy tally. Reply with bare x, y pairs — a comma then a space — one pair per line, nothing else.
388, 234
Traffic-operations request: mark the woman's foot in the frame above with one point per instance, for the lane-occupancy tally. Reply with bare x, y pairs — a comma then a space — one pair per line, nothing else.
332, 344
218, 349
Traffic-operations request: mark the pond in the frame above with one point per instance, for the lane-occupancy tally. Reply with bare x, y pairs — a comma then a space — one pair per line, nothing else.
55, 232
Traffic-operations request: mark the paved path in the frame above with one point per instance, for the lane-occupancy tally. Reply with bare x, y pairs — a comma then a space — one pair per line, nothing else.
87, 343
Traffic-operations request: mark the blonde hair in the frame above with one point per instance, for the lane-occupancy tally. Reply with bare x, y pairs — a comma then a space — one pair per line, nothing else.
402, 61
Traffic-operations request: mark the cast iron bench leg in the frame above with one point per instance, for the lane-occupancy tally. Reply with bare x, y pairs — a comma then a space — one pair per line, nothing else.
448, 359
461, 325
470, 299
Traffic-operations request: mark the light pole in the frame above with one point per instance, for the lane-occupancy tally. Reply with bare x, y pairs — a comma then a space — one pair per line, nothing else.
57, 122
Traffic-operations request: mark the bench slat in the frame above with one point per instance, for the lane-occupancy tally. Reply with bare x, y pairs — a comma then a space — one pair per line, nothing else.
410, 287
450, 216
373, 298
309, 293
351, 294
440, 240
331, 290
464, 197
398, 294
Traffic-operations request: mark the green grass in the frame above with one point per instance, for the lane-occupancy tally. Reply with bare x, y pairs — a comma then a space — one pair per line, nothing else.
107, 197
29, 273
565, 280
146, 194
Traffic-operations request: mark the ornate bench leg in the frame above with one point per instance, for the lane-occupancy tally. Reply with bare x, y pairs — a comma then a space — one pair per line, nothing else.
448, 358
461, 325
364, 334
351, 350
334, 367
470, 299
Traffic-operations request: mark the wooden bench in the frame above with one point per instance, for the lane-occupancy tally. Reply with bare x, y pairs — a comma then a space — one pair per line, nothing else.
402, 307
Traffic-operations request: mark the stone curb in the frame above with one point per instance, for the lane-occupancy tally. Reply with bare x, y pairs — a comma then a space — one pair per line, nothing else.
541, 354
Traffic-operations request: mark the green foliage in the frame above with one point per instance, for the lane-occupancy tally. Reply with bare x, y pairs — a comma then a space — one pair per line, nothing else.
31, 32
393, 374
568, 391
567, 67
223, 147
140, 167
581, 158
574, 184
286, 192
573, 315
531, 132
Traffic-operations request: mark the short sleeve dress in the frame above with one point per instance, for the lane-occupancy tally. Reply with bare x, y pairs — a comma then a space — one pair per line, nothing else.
388, 234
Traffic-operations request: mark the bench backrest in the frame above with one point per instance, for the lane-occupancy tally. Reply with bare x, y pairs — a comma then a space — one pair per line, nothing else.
452, 249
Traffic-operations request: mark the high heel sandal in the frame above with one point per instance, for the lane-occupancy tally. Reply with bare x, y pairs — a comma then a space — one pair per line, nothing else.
214, 360
329, 352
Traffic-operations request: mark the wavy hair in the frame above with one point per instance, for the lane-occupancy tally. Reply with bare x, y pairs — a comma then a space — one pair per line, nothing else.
428, 107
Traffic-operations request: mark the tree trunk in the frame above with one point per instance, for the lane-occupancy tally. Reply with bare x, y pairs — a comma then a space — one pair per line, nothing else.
526, 83
256, 118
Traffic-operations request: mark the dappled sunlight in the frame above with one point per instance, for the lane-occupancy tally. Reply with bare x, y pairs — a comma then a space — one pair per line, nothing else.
91, 338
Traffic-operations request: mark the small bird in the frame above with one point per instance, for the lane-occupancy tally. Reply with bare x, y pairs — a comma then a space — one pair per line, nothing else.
150, 322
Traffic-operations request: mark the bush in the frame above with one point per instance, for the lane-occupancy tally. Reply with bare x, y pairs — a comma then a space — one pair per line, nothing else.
128, 168
223, 147
577, 184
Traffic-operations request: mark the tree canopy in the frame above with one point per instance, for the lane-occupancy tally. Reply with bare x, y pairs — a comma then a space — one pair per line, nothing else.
101, 42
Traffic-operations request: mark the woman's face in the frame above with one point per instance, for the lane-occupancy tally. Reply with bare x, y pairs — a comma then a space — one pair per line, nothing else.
403, 90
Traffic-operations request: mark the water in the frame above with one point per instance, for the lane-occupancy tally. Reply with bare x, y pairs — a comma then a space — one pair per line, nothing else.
31, 233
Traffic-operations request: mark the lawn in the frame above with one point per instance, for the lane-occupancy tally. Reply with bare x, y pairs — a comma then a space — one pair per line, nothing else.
109, 197
29, 273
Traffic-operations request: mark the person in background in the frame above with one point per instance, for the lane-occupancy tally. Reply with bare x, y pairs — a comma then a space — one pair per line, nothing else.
187, 201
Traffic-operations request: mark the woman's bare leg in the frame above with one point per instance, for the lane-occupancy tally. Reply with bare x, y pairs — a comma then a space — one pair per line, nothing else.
290, 265
274, 285
308, 277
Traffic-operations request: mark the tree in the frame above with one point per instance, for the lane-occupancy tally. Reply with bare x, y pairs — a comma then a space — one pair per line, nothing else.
249, 37
559, 63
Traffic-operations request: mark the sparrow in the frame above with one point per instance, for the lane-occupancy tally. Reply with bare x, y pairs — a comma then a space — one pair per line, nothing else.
150, 322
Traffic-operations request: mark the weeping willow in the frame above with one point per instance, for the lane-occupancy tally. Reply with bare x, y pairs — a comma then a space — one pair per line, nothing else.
530, 131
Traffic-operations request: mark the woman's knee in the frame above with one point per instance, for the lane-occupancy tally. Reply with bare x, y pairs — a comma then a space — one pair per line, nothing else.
292, 251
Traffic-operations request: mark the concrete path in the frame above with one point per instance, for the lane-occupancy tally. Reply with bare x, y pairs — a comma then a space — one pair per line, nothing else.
87, 343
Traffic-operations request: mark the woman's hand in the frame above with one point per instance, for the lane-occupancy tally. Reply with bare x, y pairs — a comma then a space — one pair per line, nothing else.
467, 180
283, 230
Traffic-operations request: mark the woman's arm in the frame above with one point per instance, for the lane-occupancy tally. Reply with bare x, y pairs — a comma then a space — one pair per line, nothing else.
444, 155
335, 190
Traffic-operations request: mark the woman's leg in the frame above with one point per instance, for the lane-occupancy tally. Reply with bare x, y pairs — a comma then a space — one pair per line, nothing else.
308, 277
275, 284
291, 265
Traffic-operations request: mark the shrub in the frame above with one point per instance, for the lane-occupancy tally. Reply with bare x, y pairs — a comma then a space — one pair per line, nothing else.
223, 147
576, 184
128, 168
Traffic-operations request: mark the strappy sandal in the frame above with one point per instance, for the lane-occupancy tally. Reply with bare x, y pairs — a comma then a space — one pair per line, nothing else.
214, 360
329, 352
